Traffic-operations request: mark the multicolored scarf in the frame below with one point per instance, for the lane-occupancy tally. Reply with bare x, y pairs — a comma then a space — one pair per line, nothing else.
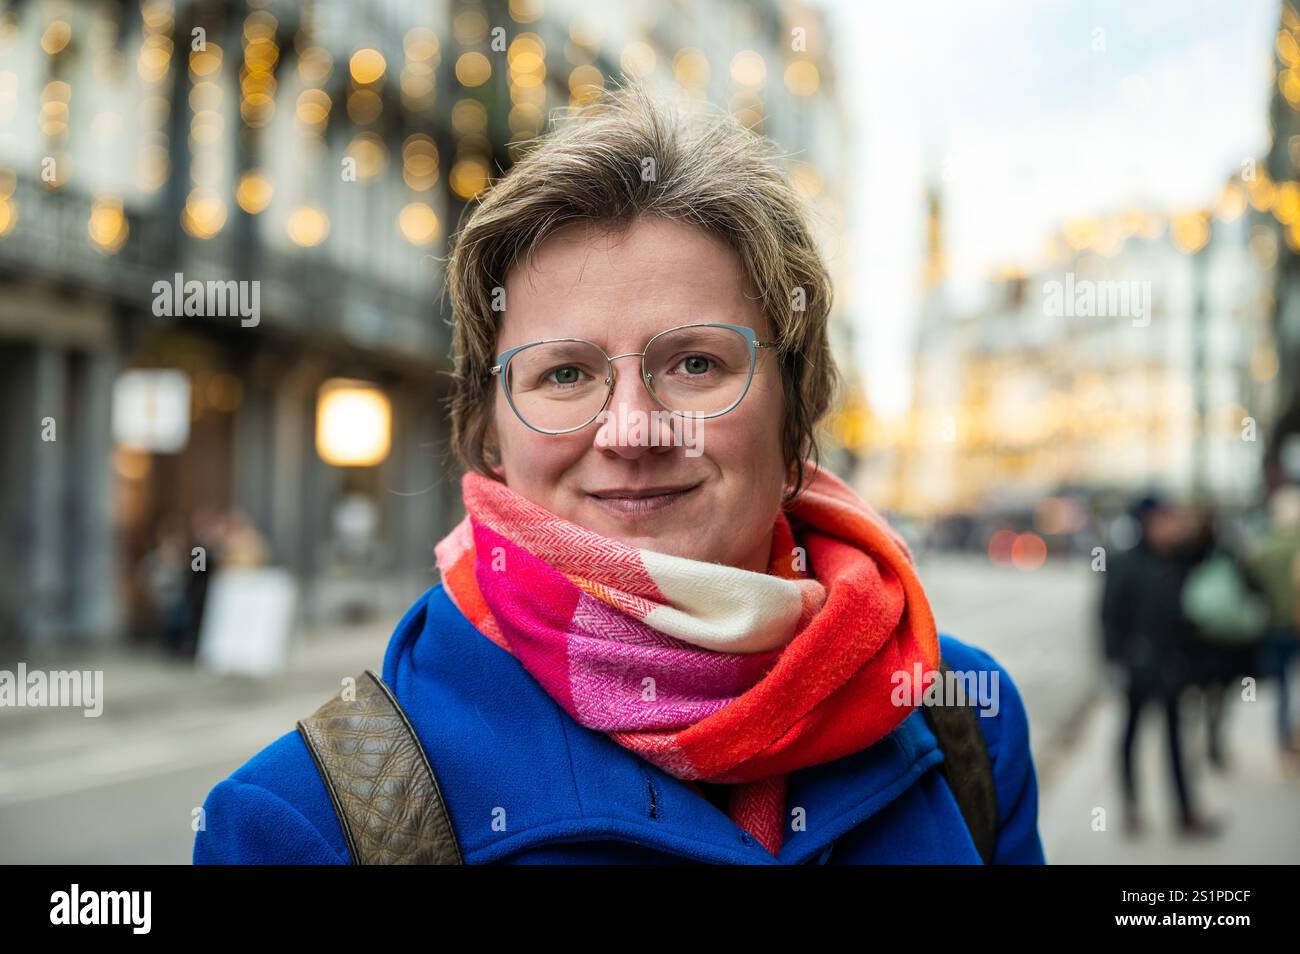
713, 673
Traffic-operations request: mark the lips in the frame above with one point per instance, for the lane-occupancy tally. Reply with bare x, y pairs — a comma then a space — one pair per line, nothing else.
641, 501
635, 493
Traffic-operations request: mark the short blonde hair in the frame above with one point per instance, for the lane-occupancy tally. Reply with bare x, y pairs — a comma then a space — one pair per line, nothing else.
708, 171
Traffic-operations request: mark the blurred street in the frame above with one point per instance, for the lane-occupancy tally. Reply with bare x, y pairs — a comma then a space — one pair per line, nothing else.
1040, 627
121, 787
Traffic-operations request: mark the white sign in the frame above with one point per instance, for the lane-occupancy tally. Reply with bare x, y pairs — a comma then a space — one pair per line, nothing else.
151, 410
247, 621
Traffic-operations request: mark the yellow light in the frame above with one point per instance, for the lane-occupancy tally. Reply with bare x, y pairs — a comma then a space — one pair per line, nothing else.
469, 27
260, 27
204, 214
419, 224
473, 69
353, 423
370, 153
525, 120
1080, 233
315, 65
1287, 50
468, 116
56, 92
417, 81
56, 37
313, 106
254, 192
205, 62
256, 109
691, 68
154, 59
1286, 203
1190, 231
527, 69
749, 117
585, 84
420, 43
1292, 235
308, 226
1262, 192
1289, 84
748, 68
107, 226
468, 177
525, 11
261, 55
420, 162
367, 66
1264, 364
364, 106
8, 215
1231, 203
802, 78
526, 45
807, 179
638, 59
533, 94
205, 95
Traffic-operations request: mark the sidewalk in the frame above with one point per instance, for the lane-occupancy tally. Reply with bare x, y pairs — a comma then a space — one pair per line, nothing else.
1257, 800
162, 714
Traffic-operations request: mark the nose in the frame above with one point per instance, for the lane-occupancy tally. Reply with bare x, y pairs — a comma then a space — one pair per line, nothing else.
631, 427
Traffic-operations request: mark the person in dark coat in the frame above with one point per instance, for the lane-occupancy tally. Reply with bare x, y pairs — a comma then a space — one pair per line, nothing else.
1146, 634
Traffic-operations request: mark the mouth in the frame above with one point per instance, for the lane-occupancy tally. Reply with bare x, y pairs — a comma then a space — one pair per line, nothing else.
638, 502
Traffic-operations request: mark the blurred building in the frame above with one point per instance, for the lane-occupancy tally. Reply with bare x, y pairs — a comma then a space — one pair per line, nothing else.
305, 164
1275, 189
1139, 353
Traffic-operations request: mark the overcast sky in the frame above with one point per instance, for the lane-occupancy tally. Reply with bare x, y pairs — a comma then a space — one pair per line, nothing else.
1009, 107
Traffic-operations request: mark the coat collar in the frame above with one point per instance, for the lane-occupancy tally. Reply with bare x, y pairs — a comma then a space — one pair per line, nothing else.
517, 771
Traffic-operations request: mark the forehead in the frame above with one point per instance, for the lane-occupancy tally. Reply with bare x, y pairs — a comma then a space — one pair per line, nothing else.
587, 280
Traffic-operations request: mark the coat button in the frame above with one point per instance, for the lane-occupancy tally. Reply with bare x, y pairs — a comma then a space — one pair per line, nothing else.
746, 837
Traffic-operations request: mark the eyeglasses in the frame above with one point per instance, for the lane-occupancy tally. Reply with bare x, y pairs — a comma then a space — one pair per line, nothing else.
563, 384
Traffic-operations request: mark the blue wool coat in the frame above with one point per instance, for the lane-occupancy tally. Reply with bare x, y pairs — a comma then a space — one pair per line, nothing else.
527, 784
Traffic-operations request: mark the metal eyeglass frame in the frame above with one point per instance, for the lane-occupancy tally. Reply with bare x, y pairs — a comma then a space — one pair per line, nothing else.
749, 334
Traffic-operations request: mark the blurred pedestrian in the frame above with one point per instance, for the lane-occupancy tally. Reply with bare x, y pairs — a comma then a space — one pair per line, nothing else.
1275, 563
1229, 616
164, 570
1146, 634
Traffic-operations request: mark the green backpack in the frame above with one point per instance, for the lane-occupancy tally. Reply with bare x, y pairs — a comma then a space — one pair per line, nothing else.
1223, 607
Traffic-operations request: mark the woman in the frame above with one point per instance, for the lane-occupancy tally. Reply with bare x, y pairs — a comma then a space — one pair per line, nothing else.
662, 633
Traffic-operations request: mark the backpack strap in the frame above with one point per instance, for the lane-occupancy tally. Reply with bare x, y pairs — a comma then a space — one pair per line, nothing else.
967, 768
379, 779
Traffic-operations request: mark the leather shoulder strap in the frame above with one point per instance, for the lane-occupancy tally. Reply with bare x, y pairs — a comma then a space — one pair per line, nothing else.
967, 767
379, 779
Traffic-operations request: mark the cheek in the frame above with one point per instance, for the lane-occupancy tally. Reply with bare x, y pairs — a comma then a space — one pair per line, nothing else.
749, 437
530, 458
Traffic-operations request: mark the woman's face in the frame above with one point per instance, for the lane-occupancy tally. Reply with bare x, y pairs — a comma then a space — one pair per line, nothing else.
619, 289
